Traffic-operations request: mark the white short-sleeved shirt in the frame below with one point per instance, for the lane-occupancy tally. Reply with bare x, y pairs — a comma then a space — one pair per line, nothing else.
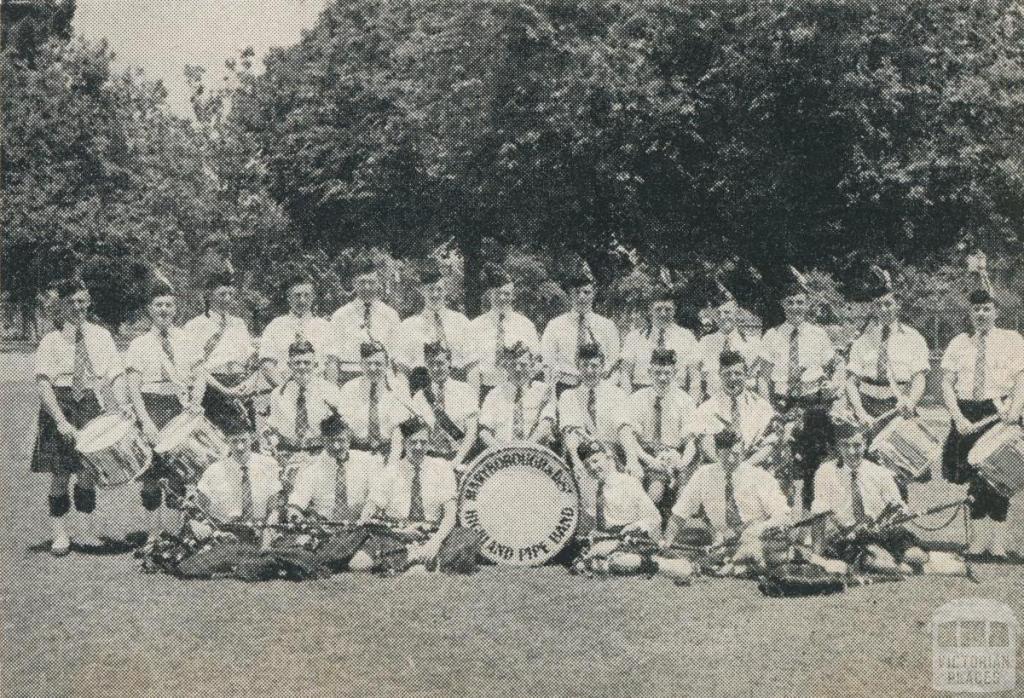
711, 348
907, 351
234, 347
282, 332
417, 330
756, 491
439, 488
55, 357
833, 490
498, 409
560, 342
814, 349
460, 403
393, 407
626, 502
1004, 361
677, 411
756, 414
322, 398
484, 330
638, 345
147, 358
316, 481
612, 408
349, 323
222, 486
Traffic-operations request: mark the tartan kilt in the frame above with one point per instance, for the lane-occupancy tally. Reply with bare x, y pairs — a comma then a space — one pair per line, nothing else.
955, 450
221, 408
52, 453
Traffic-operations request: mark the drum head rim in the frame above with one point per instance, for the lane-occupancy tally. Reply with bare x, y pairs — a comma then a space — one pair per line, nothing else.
176, 431
102, 432
989, 442
576, 495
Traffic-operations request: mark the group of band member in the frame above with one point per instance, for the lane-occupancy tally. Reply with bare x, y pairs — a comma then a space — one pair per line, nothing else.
364, 414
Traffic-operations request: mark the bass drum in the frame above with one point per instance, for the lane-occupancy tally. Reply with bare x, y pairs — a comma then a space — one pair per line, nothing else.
524, 502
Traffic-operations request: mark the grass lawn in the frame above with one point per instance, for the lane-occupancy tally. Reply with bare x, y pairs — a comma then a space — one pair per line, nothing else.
94, 625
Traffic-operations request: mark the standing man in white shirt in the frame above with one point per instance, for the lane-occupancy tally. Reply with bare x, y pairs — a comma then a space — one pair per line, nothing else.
801, 365
738, 408
662, 332
499, 327
367, 318
727, 337
165, 378
983, 376
519, 409
298, 324
858, 491
449, 406
226, 345
435, 323
888, 363
735, 498
79, 375
566, 333
662, 415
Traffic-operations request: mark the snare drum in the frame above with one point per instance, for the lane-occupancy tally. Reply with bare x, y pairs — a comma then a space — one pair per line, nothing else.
190, 443
524, 502
113, 449
999, 457
904, 446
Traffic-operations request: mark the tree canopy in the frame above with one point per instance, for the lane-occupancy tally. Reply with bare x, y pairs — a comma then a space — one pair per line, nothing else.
785, 132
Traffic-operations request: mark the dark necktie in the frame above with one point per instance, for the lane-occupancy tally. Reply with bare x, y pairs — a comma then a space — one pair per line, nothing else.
518, 418
856, 498
661, 338
439, 328
581, 331
340, 511
368, 317
883, 355
727, 344
83, 366
165, 344
301, 415
214, 339
247, 505
793, 378
373, 417
979, 367
657, 421
732, 510
499, 341
599, 505
735, 414
592, 407
416, 512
